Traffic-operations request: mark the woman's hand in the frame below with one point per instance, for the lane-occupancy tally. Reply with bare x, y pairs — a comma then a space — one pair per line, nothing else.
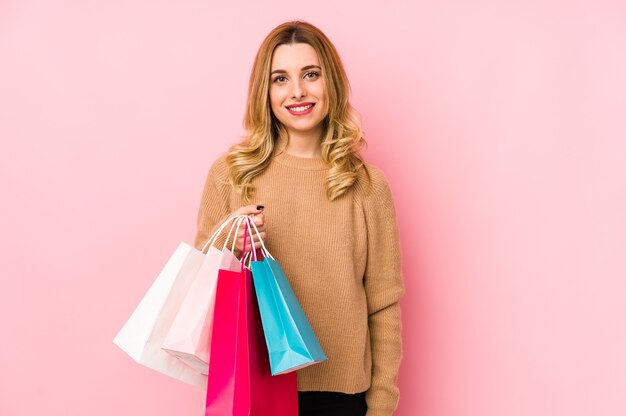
256, 215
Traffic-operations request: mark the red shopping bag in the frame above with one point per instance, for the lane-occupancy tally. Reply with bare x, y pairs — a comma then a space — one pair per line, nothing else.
240, 381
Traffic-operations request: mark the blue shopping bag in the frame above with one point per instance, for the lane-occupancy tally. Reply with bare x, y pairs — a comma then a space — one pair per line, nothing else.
290, 340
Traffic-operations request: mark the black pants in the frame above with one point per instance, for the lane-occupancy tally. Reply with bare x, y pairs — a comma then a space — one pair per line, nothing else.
326, 403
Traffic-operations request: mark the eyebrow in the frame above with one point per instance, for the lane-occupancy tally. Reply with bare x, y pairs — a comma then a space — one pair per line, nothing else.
304, 68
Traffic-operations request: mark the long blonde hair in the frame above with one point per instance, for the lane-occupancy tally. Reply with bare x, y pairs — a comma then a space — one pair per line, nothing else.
342, 135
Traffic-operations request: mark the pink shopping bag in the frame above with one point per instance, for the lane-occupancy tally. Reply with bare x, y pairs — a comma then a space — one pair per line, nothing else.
240, 381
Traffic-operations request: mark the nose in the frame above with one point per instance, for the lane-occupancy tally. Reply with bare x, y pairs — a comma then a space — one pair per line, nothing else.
299, 90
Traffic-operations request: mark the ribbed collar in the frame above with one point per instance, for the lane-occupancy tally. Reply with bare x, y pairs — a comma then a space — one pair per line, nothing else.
302, 163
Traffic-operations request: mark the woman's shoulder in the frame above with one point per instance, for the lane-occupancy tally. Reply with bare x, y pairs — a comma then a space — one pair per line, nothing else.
219, 163
375, 193
219, 167
218, 172
371, 181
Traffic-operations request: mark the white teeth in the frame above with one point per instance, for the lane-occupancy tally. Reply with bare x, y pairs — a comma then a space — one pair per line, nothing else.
302, 108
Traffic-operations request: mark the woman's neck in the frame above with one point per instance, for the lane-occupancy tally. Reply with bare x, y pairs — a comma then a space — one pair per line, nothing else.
302, 144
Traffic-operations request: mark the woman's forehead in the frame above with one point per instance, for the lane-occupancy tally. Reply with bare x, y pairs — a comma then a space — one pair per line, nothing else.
293, 56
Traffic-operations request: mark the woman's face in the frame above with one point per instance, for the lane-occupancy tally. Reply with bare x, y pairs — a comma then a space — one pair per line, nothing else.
297, 93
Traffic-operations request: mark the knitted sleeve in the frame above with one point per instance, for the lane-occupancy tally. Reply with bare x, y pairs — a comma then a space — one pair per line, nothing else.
214, 204
384, 288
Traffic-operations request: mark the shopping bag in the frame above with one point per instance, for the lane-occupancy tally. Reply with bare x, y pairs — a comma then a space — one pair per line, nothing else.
290, 340
240, 381
189, 337
142, 335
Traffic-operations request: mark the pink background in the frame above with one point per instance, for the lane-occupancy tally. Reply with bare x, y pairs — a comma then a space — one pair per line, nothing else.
500, 126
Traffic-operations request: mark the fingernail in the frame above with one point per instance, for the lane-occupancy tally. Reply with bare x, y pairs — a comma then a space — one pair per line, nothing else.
260, 207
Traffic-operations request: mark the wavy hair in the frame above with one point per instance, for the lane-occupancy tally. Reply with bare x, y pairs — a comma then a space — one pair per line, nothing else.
342, 137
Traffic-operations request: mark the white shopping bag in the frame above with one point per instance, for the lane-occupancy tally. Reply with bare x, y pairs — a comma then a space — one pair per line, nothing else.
189, 337
142, 336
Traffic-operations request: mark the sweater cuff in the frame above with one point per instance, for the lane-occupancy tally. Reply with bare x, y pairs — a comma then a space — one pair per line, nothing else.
378, 412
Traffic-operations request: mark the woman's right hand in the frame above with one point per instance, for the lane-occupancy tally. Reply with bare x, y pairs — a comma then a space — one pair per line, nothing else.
255, 212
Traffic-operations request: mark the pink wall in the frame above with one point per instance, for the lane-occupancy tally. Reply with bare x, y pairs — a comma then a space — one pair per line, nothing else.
500, 127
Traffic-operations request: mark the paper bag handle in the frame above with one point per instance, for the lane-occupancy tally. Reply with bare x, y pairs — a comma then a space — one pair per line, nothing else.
264, 250
217, 232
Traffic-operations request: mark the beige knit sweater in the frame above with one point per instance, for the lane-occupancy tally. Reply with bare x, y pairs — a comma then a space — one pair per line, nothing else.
342, 259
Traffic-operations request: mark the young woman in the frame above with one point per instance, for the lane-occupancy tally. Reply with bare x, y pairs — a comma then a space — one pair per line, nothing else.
325, 214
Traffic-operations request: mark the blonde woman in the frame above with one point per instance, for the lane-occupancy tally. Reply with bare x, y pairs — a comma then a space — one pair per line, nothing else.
325, 214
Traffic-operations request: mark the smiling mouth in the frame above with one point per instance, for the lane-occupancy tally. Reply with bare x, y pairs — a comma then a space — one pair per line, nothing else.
300, 109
